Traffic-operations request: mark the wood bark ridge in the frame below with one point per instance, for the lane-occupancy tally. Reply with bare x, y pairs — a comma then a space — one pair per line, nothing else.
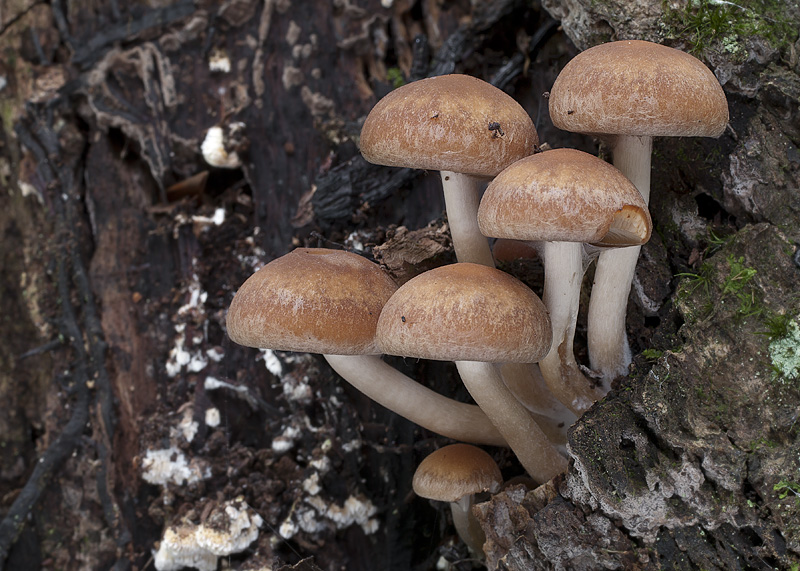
128, 413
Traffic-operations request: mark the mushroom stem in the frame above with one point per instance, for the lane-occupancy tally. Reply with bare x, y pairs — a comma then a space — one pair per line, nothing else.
512, 419
461, 199
467, 525
390, 388
526, 383
609, 351
563, 274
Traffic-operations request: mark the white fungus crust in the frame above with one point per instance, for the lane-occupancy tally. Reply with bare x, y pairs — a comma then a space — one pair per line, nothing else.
231, 527
170, 466
316, 515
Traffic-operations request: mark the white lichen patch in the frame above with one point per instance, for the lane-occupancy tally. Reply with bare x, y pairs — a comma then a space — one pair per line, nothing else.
311, 484
187, 427
353, 241
285, 441
271, 361
203, 223
293, 33
230, 528
170, 466
355, 511
212, 417
214, 151
323, 464
319, 515
784, 353
215, 354
288, 528
178, 550
219, 62
297, 390
181, 356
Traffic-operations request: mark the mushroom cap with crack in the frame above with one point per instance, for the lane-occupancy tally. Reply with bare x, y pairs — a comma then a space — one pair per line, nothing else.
638, 88
311, 300
564, 195
453, 123
456, 471
465, 312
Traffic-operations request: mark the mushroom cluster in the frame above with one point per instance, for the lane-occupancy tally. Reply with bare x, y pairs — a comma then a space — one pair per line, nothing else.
564, 203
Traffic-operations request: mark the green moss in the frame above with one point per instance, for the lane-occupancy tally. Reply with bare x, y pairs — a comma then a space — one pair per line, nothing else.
762, 442
725, 25
701, 291
777, 326
395, 77
652, 354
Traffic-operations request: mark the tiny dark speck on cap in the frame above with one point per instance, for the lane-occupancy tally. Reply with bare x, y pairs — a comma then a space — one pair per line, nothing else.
496, 129
403, 318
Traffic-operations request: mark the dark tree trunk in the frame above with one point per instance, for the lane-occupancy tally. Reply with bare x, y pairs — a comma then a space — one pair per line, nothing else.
123, 246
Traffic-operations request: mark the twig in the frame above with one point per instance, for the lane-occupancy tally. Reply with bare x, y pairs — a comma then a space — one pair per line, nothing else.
49, 346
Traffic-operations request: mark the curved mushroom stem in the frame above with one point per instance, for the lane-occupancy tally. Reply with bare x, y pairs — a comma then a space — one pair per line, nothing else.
526, 383
467, 525
390, 388
563, 274
609, 352
526, 439
461, 199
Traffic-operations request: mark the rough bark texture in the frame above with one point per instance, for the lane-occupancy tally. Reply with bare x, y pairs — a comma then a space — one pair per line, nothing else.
122, 248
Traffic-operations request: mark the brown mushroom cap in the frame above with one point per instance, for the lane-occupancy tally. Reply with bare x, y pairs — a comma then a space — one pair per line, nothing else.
564, 195
453, 123
455, 471
465, 312
638, 88
311, 300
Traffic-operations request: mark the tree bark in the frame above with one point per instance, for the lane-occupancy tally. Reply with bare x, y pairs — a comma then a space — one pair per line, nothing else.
123, 247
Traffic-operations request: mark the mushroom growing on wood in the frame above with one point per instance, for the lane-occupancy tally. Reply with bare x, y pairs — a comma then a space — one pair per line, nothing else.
478, 317
629, 92
562, 199
459, 125
456, 474
328, 301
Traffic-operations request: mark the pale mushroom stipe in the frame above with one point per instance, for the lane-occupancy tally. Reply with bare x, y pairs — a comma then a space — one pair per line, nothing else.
629, 92
562, 199
461, 126
328, 301
478, 317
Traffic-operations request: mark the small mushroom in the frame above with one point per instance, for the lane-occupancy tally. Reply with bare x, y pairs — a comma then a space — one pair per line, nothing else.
478, 317
456, 474
629, 92
562, 199
328, 301
461, 126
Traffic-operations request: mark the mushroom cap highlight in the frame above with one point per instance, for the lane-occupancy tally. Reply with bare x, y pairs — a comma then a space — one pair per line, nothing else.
639, 88
456, 471
453, 123
465, 312
311, 300
564, 195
